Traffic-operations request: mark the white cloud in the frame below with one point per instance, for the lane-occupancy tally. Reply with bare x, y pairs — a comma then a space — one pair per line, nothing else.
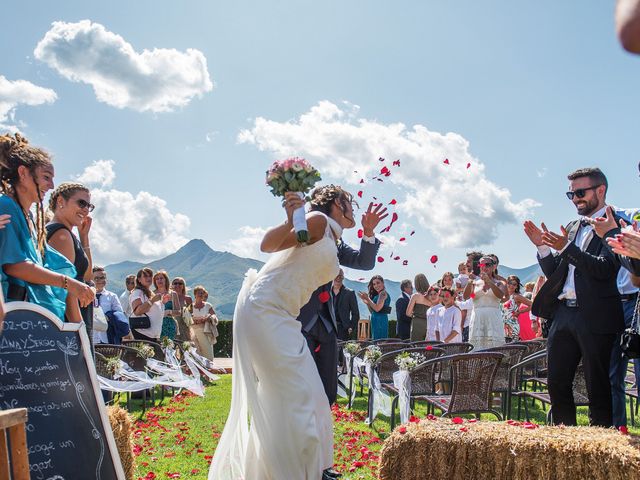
157, 80
99, 173
20, 92
130, 227
460, 206
248, 243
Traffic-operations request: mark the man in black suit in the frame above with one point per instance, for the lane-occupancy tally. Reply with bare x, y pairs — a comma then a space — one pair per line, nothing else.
344, 307
581, 298
319, 325
403, 325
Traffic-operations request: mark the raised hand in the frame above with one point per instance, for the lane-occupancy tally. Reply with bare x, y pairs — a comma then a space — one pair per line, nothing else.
372, 217
557, 241
84, 228
534, 233
291, 203
602, 225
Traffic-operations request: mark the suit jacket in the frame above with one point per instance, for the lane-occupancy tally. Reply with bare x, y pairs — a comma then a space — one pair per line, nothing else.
315, 310
404, 321
345, 310
596, 271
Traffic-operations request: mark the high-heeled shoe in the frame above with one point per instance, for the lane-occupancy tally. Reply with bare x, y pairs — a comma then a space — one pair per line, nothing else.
330, 474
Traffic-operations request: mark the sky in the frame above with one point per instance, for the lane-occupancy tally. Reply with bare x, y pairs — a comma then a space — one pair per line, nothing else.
172, 112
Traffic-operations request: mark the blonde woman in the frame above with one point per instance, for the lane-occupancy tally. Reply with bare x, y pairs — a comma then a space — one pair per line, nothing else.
179, 285
204, 329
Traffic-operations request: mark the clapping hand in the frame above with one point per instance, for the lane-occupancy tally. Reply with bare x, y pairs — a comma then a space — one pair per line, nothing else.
557, 241
626, 243
372, 217
603, 225
534, 233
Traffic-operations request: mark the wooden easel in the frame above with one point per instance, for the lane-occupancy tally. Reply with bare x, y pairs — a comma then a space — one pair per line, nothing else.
12, 423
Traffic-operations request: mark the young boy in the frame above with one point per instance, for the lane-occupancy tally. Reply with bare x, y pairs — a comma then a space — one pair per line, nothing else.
449, 318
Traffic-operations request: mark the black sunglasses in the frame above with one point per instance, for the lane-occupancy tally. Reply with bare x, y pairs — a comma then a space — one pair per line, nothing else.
177, 283
84, 204
580, 192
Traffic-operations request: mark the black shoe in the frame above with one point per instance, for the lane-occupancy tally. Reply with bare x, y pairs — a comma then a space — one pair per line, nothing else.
330, 474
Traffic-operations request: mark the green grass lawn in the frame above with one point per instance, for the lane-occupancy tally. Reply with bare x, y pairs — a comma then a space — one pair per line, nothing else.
177, 438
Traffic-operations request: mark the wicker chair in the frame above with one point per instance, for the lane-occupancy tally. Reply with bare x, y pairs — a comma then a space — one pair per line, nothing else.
444, 373
108, 350
512, 356
359, 354
521, 375
388, 340
384, 348
158, 352
424, 343
472, 384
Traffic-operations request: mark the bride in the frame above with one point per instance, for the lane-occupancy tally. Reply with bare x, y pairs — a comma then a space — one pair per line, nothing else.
280, 423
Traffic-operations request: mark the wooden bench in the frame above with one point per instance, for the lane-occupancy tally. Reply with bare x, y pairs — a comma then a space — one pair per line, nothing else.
12, 423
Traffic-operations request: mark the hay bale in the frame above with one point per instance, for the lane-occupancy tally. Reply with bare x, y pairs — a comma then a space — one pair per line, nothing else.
441, 449
121, 425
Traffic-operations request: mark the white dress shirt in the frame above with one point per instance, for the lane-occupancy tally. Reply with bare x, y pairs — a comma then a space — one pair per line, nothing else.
449, 319
125, 303
583, 237
109, 302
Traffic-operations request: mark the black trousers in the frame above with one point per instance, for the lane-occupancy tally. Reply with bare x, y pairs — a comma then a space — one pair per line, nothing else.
324, 350
570, 340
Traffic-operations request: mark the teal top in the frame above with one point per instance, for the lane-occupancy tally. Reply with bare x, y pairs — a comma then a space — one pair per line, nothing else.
17, 245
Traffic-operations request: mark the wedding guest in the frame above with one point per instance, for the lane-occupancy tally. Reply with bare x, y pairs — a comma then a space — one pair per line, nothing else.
205, 321
539, 325
463, 275
161, 286
145, 303
487, 328
582, 299
71, 205
30, 270
417, 308
515, 314
473, 263
433, 299
403, 326
345, 307
447, 281
110, 304
130, 285
448, 318
378, 301
466, 308
528, 290
179, 285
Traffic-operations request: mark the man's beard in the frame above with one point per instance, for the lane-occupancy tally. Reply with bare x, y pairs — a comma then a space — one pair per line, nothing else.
589, 208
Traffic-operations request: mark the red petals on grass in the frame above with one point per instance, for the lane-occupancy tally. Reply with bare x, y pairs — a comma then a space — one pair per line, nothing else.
324, 297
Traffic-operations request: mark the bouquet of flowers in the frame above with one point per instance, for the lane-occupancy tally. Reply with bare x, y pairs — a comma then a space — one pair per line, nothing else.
351, 348
293, 175
145, 351
186, 346
113, 365
166, 342
409, 361
372, 354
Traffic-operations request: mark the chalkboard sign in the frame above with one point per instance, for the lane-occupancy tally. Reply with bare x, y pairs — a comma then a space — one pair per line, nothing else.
47, 368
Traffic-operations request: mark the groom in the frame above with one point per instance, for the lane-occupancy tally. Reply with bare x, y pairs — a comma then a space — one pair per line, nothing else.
318, 317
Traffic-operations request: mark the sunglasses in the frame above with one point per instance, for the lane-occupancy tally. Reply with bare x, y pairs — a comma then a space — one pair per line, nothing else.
177, 283
84, 204
580, 192
513, 284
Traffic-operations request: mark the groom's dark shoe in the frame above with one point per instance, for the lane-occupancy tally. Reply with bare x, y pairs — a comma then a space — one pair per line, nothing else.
330, 474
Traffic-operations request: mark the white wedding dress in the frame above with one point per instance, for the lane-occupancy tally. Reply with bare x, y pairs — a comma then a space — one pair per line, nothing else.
280, 424
486, 327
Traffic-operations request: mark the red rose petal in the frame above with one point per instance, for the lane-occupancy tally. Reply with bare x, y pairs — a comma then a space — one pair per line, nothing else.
429, 347
394, 217
473, 295
360, 194
468, 165
396, 163
446, 161
384, 170
457, 420
362, 180
623, 430
414, 419
434, 259
396, 258
402, 239
380, 259
360, 233
317, 349
402, 429
381, 159
324, 297
405, 262
464, 429
393, 201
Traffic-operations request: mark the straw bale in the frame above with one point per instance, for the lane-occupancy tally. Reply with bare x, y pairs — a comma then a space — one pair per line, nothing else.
441, 449
121, 425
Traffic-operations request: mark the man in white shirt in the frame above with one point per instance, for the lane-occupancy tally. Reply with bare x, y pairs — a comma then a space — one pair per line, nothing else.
105, 299
449, 324
130, 284
432, 316
582, 300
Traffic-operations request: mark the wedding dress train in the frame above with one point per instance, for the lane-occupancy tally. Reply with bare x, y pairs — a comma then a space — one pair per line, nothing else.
280, 424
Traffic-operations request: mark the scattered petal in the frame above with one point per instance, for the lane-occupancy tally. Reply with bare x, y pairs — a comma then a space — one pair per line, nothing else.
396, 258
360, 193
412, 232
434, 259
360, 233
402, 239
362, 180
468, 165
405, 262
381, 159
324, 296
446, 161
402, 429
457, 420
396, 163
393, 202
380, 259
317, 349
394, 217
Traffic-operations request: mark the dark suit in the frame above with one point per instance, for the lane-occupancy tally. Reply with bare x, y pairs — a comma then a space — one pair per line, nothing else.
319, 325
403, 327
345, 311
584, 332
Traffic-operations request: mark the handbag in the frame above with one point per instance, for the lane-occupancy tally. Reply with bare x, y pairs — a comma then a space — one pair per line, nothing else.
630, 340
100, 323
143, 321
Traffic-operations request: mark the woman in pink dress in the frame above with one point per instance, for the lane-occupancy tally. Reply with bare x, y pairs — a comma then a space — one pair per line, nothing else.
517, 307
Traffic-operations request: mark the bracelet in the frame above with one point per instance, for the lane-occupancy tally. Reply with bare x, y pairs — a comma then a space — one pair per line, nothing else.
86, 248
65, 282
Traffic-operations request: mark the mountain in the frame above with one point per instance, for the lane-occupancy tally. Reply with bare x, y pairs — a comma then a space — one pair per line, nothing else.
222, 274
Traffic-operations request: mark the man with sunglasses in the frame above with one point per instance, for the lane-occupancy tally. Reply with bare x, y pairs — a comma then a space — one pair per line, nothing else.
582, 301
